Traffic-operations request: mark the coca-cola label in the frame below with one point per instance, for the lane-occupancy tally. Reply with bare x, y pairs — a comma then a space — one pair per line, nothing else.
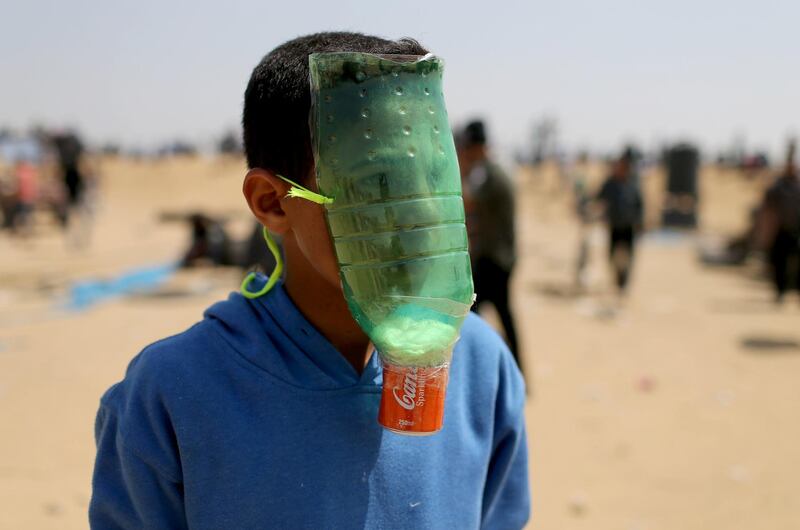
412, 399
408, 398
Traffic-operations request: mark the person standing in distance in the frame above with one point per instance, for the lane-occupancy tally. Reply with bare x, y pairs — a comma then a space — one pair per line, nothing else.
489, 196
779, 227
624, 212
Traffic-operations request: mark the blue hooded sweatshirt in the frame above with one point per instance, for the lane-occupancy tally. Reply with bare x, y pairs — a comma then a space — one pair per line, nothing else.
252, 419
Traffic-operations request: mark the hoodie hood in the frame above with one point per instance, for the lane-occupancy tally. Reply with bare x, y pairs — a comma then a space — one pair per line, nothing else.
271, 333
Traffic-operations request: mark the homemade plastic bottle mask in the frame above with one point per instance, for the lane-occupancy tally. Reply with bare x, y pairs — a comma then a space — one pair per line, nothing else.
388, 176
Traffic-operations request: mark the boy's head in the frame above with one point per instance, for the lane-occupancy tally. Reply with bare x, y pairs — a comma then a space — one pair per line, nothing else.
277, 140
277, 101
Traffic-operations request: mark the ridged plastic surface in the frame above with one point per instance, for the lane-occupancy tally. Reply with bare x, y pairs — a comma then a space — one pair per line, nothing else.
384, 151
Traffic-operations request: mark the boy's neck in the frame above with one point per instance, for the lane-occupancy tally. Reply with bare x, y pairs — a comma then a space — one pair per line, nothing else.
325, 308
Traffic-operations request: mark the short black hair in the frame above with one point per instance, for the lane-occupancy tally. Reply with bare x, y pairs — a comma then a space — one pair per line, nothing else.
277, 101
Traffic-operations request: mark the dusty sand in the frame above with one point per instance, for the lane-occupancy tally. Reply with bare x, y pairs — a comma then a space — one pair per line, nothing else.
679, 411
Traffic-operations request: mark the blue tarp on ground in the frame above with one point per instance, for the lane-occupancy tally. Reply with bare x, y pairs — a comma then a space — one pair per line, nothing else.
86, 293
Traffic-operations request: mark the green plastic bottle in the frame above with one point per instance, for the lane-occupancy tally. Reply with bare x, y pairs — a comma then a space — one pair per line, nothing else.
384, 152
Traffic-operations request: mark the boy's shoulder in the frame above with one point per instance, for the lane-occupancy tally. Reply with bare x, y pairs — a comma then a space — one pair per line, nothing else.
486, 354
159, 383
181, 364
163, 361
477, 333
165, 367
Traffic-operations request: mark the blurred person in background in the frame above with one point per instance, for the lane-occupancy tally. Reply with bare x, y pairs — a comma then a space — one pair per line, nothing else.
7, 196
583, 212
624, 212
779, 226
69, 150
210, 242
75, 173
489, 206
25, 179
18, 194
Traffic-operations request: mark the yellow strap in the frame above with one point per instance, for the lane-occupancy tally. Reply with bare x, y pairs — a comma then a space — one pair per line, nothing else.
273, 278
295, 191
304, 193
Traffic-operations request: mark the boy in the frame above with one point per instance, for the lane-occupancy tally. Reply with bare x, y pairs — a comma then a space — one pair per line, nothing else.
263, 415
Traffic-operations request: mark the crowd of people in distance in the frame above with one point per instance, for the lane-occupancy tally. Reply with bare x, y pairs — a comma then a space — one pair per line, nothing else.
49, 173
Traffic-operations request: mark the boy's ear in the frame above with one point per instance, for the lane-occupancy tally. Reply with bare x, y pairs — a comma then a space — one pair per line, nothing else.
263, 192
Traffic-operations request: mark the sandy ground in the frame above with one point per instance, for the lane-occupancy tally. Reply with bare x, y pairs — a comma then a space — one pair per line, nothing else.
677, 410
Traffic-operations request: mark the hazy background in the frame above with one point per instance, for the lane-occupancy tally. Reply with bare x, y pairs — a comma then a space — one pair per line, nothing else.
141, 73
674, 408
